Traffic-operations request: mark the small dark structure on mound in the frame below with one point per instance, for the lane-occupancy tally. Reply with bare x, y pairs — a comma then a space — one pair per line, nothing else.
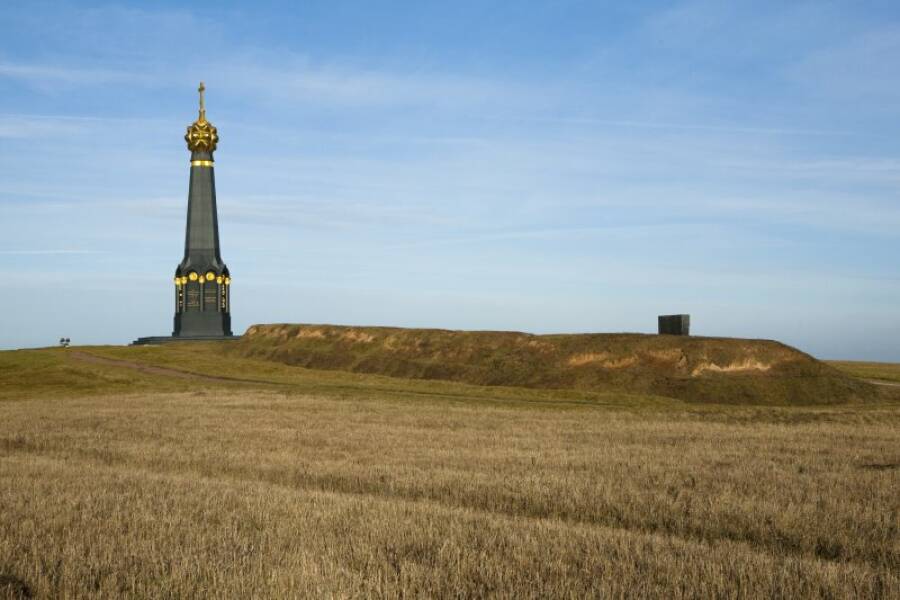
689, 368
674, 324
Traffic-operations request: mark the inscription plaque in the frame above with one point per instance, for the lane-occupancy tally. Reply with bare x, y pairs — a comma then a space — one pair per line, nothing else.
193, 299
210, 296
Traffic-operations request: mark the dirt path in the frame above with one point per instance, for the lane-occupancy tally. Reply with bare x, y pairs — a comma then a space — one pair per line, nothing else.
170, 372
879, 382
154, 370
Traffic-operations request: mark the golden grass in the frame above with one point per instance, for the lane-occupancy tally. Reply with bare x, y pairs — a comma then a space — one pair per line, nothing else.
340, 485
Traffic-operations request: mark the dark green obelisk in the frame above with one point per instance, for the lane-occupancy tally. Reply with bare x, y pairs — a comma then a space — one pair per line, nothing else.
202, 281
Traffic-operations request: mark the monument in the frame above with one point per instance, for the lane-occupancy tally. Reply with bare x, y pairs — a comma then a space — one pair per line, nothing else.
202, 280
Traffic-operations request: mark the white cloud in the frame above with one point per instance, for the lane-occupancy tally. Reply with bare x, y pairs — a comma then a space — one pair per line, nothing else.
47, 77
35, 126
44, 252
297, 79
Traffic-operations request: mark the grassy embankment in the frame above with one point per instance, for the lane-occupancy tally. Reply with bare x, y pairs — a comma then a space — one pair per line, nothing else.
117, 482
690, 368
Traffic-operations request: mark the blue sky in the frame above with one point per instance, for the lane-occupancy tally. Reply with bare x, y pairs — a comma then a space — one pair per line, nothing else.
541, 166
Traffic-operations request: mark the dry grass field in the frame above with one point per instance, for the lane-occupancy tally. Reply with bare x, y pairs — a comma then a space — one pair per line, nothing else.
287, 482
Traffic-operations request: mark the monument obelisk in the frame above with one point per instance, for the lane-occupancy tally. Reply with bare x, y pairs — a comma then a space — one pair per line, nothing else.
202, 281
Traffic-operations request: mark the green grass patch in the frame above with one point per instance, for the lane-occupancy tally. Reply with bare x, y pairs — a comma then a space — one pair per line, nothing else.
869, 370
52, 372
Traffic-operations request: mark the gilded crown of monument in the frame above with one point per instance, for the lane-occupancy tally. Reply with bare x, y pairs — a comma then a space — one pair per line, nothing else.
201, 135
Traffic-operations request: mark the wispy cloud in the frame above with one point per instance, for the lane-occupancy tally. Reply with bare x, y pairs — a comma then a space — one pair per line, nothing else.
46, 76
662, 125
36, 126
31, 126
44, 252
299, 79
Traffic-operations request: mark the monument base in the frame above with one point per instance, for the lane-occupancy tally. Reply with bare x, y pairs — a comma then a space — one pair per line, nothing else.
166, 339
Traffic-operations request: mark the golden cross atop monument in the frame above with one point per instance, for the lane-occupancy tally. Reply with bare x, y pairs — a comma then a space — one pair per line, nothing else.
201, 135
202, 89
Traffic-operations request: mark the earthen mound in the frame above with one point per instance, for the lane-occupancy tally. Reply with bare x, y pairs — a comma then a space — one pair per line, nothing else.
690, 368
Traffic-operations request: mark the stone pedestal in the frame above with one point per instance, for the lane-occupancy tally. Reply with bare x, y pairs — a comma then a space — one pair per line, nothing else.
165, 339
